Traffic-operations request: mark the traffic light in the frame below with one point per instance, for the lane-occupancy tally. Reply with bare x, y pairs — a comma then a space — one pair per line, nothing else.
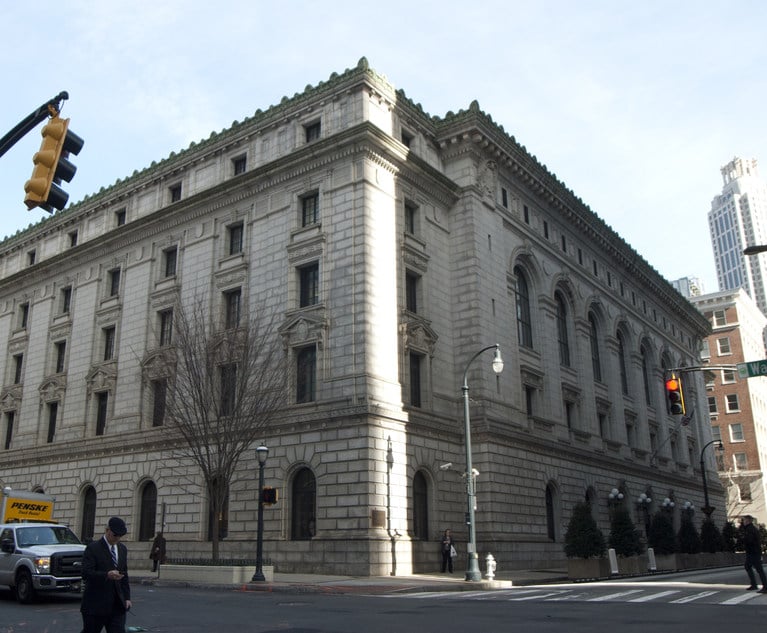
269, 496
52, 166
674, 396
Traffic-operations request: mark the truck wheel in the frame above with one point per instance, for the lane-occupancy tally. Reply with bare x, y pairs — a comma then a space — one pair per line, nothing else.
25, 590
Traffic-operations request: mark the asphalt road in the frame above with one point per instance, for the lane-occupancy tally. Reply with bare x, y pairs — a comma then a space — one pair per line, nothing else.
568, 608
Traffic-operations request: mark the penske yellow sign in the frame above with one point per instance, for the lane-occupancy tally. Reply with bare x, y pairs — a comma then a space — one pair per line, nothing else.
17, 509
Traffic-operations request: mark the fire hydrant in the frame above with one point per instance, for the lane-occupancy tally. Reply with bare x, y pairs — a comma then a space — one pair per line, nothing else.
490, 562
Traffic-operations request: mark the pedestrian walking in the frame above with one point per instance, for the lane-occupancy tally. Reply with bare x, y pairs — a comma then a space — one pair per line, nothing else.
753, 546
448, 551
157, 553
106, 597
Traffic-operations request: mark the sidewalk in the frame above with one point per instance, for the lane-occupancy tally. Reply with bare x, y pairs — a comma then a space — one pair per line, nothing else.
314, 583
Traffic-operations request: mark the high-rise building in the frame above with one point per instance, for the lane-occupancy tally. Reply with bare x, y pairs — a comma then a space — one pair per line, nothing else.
737, 405
689, 286
394, 246
738, 219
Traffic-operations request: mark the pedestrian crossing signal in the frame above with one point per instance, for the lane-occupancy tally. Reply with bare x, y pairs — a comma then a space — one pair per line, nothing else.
269, 496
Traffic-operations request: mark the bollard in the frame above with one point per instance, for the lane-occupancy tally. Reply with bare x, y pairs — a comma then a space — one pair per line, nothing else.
490, 562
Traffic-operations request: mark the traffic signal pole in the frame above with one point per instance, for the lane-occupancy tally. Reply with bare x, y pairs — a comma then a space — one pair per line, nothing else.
49, 108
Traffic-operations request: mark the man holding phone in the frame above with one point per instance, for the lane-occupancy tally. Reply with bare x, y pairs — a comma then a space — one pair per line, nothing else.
106, 598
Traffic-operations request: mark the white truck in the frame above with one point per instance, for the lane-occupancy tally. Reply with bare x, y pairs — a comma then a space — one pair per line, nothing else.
36, 555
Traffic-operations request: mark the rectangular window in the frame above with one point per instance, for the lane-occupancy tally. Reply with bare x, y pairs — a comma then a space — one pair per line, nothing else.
108, 334
406, 138
102, 401
313, 131
564, 244
569, 414
31, 256
705, 351
732, 403
602, 418
712, 405
114, 282
170, 256
310, 206
72, 238
415, 379
411, 291
65, 300
720, 318
228, 389
504, 198
728, 376
630, 435
306, 374
18, 368
716, 433
53, 410
545, 229
723, 345
9, 418
60, 350
120, 216
740, 460
175, 193
411, 217
166, 327
232, 303
239, 165
235, 235
308, 280
744, 492
736, 432
526, 214
159, 392
23, 316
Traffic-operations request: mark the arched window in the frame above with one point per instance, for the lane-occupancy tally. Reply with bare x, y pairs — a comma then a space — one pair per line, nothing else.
551, 525
562, 339
420, 507
646, 374
304, 501
596, 362
524, 322
88, 522
148, 512
622, 364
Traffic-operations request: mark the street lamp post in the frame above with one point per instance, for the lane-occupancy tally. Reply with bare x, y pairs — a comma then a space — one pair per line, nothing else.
262, 452
472, 563
707, 509
755, 249
643, 501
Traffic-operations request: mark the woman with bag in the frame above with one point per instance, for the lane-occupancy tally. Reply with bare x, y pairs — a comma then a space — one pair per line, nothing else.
448, 552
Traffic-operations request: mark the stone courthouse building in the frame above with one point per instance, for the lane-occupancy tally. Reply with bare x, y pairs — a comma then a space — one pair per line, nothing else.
395, 246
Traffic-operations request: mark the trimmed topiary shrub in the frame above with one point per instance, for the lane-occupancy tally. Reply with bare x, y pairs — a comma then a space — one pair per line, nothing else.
689, 541
710, 537
662, 538
624, 537
583, 538
729, 536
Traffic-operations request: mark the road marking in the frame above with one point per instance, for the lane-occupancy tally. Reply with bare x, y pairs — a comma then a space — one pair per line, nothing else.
610, 596
654, 596
738, 599
693, 597
539, 596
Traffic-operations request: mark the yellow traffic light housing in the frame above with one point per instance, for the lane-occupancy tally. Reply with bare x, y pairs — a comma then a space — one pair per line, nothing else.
674, 395
52, 166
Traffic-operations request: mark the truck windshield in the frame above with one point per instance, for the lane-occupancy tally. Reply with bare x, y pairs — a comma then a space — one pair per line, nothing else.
45, 535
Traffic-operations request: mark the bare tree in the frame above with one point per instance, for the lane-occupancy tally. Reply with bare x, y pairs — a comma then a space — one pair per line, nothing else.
223, 387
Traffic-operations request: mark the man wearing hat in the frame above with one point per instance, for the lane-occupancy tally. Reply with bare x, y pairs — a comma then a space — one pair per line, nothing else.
106, 598
753, 546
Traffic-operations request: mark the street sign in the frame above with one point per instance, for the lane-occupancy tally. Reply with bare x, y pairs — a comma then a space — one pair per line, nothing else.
752, 369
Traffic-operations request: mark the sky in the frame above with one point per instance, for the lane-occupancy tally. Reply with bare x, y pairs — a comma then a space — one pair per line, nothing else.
635, 106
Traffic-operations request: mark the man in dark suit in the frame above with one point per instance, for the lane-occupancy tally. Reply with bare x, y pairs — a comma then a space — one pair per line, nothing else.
106, 598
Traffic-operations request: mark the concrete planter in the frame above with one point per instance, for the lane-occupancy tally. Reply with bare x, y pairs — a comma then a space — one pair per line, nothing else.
631, 565
213, 574
667, 562
586, 568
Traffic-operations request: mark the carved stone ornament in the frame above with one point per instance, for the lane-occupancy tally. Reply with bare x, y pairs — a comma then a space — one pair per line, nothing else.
304, 328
